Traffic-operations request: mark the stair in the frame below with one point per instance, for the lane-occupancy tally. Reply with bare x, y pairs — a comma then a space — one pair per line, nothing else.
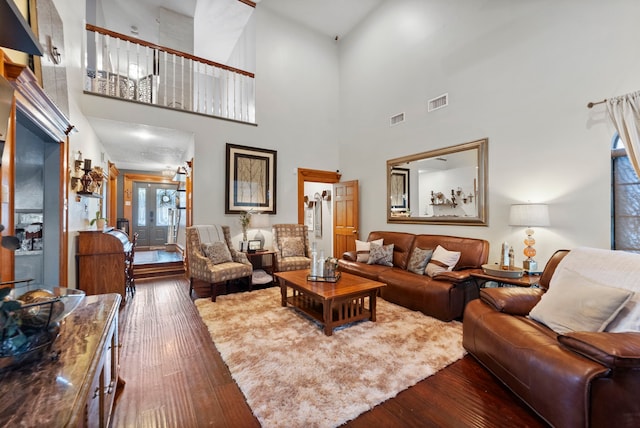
154, 263
153, 270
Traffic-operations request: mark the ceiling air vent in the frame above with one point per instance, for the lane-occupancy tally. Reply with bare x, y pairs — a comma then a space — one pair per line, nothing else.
398, 118
438, 102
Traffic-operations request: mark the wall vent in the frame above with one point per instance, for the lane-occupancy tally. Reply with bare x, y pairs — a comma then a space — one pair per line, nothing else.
396, 119
438, 102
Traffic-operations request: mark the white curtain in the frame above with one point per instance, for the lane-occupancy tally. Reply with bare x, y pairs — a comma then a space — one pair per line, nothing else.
624, 112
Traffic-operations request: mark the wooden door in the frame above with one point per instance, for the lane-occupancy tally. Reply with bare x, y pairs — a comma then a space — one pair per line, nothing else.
345, 217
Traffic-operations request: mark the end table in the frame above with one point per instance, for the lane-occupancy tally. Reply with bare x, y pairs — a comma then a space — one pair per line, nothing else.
258, 261
526, 280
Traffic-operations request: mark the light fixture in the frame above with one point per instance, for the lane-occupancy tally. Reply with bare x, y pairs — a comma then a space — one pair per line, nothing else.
529, 215
259, 221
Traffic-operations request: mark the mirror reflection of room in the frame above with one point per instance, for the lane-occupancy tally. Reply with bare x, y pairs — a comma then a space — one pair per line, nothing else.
446, 185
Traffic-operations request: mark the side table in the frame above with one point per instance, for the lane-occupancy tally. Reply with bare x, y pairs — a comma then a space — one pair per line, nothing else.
264, 260
526, 280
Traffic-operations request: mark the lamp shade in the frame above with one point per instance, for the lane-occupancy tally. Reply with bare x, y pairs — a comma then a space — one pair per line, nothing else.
529, 215
259, 221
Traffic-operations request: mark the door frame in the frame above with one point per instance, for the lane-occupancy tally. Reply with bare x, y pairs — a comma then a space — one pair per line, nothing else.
127, 197
313, 176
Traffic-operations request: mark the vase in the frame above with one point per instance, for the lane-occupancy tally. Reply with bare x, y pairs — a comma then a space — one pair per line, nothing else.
101, 223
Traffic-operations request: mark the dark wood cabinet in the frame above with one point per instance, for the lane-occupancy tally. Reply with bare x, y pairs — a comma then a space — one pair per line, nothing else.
101, 261
78, 388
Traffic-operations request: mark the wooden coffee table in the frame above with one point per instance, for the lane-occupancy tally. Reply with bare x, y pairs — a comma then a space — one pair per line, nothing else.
332, 304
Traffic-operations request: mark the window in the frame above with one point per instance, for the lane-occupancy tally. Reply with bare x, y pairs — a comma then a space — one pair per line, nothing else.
625, 206
142, 203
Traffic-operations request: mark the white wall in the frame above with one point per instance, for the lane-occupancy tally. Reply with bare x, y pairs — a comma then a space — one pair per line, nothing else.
297, 102
519, 73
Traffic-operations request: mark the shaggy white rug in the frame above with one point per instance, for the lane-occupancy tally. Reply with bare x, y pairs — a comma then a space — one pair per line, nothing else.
292, 375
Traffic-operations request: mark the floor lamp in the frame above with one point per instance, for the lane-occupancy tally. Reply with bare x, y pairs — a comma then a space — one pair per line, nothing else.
529, 215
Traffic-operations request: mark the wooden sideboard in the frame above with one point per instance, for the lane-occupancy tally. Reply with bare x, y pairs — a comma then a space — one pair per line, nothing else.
77, 389
101, 261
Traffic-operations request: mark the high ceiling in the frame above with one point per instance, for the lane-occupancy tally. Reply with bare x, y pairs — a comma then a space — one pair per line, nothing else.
161, 148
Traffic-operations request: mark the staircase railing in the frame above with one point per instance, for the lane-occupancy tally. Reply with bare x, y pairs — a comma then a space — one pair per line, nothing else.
127, 68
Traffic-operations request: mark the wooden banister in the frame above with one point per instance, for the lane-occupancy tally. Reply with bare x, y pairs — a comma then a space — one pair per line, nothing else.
124, 37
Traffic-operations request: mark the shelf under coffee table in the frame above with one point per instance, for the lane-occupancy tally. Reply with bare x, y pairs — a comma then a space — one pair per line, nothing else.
351, 298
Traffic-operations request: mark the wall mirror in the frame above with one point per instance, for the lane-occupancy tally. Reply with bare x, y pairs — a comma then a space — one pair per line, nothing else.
443, 186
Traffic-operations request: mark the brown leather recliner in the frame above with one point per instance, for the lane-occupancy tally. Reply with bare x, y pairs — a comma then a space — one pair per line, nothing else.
577, 379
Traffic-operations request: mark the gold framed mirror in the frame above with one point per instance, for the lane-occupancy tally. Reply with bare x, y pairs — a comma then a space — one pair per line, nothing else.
443, 186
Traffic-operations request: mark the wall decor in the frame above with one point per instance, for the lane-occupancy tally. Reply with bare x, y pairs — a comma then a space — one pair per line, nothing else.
399, 190
309, 218
447, 186
317, 216
250, 181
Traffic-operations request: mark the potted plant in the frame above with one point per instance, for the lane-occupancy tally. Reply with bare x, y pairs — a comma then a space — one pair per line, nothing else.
245, 220
99, 221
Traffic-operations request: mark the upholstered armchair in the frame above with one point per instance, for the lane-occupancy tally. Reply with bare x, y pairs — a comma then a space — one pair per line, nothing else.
291, 244
211, 258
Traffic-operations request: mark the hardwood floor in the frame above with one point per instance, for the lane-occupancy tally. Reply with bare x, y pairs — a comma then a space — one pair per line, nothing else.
175, 377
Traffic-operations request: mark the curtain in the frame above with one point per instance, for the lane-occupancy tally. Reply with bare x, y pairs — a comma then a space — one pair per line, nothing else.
624, 112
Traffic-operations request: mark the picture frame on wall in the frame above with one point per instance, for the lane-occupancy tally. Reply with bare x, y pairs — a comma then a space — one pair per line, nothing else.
309, 215
250, 179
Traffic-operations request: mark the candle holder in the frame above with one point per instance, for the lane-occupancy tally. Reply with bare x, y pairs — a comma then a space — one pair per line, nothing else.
86, 179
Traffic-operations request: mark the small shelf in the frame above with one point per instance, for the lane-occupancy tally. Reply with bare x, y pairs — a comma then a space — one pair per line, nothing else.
89, 194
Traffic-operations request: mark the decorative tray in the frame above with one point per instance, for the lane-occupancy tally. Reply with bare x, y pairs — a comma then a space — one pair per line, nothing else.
495, 270
324, 278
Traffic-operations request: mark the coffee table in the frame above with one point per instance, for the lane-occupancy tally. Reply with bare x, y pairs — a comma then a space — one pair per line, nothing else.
351, 298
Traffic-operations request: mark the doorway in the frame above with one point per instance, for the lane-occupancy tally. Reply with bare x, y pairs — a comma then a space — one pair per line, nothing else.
340, 244
154, 213
157, 197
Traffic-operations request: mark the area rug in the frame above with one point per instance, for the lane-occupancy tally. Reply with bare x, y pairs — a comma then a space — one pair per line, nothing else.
292, 375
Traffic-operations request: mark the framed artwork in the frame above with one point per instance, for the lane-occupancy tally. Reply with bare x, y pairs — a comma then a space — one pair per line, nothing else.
254, 245
317, 215
250, 181
309, 218
399, 189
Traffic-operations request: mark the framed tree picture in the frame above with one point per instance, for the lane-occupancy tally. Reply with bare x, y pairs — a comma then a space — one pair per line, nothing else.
250, 181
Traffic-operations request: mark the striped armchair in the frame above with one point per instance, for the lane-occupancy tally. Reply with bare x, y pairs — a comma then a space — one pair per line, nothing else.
203, 268
291, 244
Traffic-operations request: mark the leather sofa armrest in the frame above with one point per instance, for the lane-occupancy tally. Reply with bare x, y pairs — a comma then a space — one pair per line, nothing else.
452, 276
511, 300
613, 350
349, 255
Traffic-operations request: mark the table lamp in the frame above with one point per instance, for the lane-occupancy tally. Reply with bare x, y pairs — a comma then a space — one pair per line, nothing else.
529, 215
259, 221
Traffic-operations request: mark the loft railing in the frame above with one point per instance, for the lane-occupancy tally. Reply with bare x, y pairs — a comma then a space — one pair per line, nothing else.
123, 67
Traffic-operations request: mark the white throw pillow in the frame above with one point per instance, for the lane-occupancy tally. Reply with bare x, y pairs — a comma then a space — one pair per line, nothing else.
442, 260
363, 248
578, 304
217, 252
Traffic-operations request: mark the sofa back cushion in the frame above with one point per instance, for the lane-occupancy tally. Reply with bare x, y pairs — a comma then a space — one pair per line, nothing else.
402, 245
473, 252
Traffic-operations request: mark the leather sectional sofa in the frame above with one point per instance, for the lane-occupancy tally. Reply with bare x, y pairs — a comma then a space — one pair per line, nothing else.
573, 379
445, 295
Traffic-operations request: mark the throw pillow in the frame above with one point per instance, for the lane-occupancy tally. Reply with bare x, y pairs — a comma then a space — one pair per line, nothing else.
442, 260
381, 255
217, 252
293, 247
363, 248
576, 303
419, 259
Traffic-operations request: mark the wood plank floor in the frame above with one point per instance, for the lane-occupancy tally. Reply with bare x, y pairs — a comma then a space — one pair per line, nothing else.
175, 377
